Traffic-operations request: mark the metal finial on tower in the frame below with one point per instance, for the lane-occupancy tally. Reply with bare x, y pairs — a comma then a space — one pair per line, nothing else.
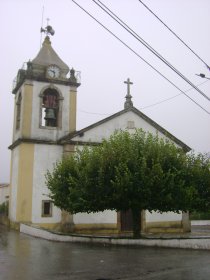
128, 103
48, 30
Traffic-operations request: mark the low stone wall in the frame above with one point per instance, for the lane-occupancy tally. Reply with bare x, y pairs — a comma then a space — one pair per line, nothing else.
200, 222
190, 243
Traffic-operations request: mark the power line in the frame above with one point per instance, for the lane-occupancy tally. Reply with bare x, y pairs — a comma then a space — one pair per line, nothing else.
148, 106
174, 33
167, 99
94, 113
139, 56
142, 41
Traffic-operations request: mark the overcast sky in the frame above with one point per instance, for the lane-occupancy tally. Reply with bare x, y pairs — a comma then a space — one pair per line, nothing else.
105, 63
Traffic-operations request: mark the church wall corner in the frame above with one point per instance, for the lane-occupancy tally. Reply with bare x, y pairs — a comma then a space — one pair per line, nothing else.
72, 108
25, 182
27, 110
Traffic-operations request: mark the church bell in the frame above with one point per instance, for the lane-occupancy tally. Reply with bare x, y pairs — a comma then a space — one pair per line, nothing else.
50, 114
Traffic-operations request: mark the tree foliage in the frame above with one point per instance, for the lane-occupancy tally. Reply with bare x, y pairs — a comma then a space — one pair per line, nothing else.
4, 207
131, 171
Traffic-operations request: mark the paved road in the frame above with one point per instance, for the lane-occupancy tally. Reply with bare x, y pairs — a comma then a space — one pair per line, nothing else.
23, 257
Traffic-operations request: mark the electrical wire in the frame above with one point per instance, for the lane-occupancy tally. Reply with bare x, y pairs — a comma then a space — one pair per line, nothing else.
170, 98
142, 41
174, 33
138, 55
148, 106
94, 113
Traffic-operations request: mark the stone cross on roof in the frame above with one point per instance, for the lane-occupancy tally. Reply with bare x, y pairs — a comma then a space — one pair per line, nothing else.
128, 82
128, 103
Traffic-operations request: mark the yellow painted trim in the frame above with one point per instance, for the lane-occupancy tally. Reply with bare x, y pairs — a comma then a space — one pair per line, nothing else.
164, 227
52, 226
27, 110
68, 150
96, 228
186, 224
10, 185
14, 225
25, 182
143, 220
14, 120
72, 108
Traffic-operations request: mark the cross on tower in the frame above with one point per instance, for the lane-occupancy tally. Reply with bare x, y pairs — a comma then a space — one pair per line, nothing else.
128, 82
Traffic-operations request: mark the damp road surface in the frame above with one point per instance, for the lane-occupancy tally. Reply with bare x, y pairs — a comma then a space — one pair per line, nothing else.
24, 257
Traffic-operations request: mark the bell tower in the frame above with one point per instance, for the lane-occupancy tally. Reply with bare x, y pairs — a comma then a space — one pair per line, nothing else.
45, 93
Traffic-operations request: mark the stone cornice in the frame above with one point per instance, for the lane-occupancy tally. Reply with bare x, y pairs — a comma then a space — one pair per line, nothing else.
32, 141
30, 77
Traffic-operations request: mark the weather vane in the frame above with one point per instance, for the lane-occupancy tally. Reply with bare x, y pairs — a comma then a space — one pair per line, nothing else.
48, 30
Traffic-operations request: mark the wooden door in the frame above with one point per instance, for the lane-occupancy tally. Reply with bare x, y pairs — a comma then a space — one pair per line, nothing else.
126, 220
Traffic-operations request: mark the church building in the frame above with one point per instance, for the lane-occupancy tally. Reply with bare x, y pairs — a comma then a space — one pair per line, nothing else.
44, 131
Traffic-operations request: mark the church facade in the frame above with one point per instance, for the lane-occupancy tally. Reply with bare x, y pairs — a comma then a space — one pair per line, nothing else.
44, 131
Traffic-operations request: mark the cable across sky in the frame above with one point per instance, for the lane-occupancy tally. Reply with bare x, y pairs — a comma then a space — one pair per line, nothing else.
138, 55
174, 34
142, 41
147, 106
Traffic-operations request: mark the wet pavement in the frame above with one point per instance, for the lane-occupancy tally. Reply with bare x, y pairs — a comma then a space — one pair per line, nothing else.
24, 257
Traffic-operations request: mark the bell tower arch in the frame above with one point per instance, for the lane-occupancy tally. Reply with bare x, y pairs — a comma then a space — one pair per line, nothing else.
45, 93
51, 100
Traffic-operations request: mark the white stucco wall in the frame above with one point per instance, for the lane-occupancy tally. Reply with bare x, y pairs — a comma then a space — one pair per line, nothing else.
111, 217
45, 156
106, 129
164, 217
108, 216
13, 184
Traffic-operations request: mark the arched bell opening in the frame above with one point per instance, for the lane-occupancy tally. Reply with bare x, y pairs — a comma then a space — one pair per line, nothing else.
50, 108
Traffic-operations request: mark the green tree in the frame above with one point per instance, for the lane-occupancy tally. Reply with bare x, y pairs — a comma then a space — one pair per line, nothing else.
4, 208
134, 172
198, 177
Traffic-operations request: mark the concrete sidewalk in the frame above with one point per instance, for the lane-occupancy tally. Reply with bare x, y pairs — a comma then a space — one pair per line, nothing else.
199, 238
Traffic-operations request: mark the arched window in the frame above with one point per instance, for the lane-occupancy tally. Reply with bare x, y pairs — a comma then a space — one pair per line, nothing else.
50, 107
18, 111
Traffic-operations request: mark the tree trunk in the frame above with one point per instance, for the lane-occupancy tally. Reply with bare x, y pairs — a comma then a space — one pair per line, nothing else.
136, 213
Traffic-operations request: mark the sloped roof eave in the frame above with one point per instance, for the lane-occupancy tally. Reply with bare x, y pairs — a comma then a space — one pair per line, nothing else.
69, 138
